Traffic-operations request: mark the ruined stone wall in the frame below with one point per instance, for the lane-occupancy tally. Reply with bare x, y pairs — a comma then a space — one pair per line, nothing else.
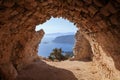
82, 48
98, 21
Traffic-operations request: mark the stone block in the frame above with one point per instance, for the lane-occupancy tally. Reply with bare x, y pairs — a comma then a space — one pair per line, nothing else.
104, 12
14, 13
30, 5
8, 3
88, 1
92, 10
24, 18
44, 3
115, 19
102, 24
20, 2
98, 3
69, 1
110, 7
97, 18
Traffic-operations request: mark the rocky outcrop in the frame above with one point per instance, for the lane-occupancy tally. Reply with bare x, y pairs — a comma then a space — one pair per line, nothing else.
22, 53
82, 49
97, 20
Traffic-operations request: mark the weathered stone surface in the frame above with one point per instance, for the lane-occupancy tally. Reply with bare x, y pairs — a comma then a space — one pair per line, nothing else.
18, 39
9, 70
82, 48
92, 10
115, 19
98, 3
8, 3
105, 12
88, 1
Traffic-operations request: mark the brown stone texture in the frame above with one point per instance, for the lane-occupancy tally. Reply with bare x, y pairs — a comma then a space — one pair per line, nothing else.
98, 21
82, 49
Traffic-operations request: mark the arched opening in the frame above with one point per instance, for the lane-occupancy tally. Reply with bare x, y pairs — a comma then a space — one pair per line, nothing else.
97, 20
60, 34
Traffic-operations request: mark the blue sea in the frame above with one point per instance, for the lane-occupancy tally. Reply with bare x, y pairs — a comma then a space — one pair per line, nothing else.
47, 45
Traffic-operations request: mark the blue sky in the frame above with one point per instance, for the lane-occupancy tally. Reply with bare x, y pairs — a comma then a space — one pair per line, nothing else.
57, 25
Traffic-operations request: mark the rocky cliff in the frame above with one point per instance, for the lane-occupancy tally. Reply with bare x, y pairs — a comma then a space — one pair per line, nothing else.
98, 21
82, 48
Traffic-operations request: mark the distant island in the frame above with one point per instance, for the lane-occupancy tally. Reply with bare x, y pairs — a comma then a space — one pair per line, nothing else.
66, 39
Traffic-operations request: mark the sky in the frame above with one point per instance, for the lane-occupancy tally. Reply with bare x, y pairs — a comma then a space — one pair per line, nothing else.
57, 25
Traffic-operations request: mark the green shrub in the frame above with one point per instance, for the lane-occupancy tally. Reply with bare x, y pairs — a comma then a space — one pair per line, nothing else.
56, 54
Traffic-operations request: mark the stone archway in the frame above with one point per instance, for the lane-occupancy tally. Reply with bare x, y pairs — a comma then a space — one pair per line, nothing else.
98, 21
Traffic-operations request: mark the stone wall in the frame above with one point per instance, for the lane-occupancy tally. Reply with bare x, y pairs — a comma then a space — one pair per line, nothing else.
82, 49
98, 21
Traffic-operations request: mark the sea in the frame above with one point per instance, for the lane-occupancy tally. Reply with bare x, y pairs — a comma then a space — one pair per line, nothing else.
47, 45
